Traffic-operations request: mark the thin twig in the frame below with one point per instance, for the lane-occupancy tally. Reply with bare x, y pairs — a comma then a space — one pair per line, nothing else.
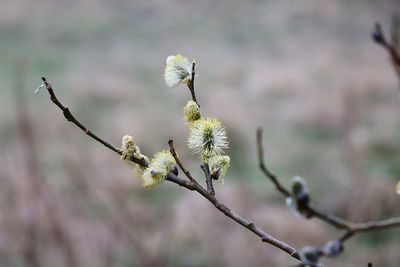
252, 227
181, 182
209, 180
392, 46
191, 83
173, 152
265, 237
264, 169
330, 219
370, 226
339, 223
247, 224
345, 236
71, 118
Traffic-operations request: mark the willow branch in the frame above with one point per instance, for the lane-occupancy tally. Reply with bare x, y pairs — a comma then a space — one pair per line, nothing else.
68, 115
190, 185
369, 227
337, 222
328, 218
71, 118
229, 212
350, 228
250, 225
264, 168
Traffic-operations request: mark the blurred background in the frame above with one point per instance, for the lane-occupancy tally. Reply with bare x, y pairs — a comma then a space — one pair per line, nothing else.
306, 71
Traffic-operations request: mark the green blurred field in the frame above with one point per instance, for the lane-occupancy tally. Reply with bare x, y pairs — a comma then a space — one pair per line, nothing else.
306, 71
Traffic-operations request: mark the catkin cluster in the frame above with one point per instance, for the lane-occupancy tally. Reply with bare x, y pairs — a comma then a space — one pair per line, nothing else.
207, 136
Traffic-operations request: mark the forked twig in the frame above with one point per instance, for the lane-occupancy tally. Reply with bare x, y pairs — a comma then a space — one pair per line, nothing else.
328, 218
350, 228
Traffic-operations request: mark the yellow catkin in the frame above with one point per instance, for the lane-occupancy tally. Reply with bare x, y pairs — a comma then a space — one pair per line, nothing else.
160, 166
177, 70
191, 112
129, 150
219, 166
207, 138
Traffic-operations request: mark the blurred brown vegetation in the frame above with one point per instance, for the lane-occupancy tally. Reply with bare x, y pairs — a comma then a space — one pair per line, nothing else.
304, 70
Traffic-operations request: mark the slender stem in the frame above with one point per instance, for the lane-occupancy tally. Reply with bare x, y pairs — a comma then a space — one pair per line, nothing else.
173, 152
264, 169
181, 182
370, 226
346, 235
209, 180
265, 237
71, 118
68, 115
191, 83
328, 218
252, 227
392, 46
339, 223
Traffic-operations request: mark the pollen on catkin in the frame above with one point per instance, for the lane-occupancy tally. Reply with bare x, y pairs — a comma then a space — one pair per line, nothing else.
138, 170
191, 111
219, 166
129, 150
207, 138
178, 70
160, 166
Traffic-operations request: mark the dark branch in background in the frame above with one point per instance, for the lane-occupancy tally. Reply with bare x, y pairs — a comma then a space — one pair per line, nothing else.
190, 185
350, 228
391, 46
264, 169
311, 211
369, 227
